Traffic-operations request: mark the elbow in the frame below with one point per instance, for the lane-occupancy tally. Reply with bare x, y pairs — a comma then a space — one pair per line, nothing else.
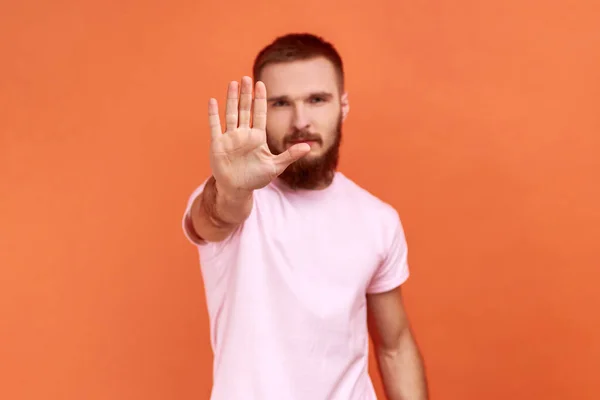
394, 346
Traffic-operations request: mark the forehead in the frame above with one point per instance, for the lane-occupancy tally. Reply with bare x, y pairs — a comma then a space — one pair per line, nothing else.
298, 78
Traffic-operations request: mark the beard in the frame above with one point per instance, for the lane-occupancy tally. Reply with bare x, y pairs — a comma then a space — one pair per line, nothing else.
310, 173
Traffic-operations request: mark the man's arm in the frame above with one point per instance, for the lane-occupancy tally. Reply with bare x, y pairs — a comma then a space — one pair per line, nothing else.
216, 213
398, 357
240, 161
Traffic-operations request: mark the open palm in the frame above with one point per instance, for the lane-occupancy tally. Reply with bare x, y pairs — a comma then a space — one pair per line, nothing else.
240, 158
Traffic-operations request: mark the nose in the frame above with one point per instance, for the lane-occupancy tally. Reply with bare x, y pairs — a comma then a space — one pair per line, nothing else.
301, 120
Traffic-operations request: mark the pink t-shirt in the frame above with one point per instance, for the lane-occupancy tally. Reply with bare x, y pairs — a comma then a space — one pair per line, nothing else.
286, 292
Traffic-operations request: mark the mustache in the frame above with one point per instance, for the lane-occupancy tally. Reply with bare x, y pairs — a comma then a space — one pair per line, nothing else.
303, 135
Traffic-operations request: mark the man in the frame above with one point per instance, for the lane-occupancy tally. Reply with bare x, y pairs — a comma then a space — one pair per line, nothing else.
294, 255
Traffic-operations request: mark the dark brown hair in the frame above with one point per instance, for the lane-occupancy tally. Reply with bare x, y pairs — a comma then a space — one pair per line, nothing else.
298, 46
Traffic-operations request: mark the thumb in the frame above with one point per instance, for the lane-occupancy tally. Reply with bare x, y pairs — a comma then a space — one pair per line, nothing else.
294, 153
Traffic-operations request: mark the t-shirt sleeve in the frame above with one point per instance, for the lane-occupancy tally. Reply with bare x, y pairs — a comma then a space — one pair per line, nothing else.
188, 228
208, 250
393, 270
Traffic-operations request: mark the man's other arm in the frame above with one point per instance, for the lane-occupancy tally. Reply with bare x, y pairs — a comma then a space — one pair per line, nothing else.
398, 357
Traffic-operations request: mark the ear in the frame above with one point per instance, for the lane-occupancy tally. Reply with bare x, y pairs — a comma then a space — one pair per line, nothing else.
345, 106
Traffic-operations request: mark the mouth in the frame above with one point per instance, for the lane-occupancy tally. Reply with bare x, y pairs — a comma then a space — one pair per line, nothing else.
310, 142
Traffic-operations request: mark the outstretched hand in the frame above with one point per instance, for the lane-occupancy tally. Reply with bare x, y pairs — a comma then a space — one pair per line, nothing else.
240, 158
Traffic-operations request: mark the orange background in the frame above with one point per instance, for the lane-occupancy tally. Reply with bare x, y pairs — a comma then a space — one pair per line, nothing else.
479, 121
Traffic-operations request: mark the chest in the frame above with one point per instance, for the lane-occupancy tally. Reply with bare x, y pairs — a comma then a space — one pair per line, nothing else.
309, 266
329, 250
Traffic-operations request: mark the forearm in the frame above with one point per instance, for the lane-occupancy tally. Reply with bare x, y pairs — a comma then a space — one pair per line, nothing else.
217, 212
402, 370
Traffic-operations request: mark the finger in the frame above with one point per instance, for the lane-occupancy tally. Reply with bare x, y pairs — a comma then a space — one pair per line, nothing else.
231, 107
294, 153
213, 119
245, 102
259, 118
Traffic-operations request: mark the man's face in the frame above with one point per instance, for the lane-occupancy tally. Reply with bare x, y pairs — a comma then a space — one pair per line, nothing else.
305, 105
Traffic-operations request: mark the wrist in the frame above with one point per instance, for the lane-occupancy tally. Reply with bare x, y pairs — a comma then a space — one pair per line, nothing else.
226, 207
232, 195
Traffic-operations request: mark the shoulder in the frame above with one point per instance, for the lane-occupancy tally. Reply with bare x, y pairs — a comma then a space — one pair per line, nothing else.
365, 202
381, 229
374, 217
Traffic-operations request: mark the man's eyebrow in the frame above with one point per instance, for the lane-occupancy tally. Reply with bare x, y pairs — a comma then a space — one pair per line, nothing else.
277, 98
325, 95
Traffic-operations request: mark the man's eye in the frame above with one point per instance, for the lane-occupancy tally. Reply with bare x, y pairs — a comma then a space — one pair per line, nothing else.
280, 103
317, 99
